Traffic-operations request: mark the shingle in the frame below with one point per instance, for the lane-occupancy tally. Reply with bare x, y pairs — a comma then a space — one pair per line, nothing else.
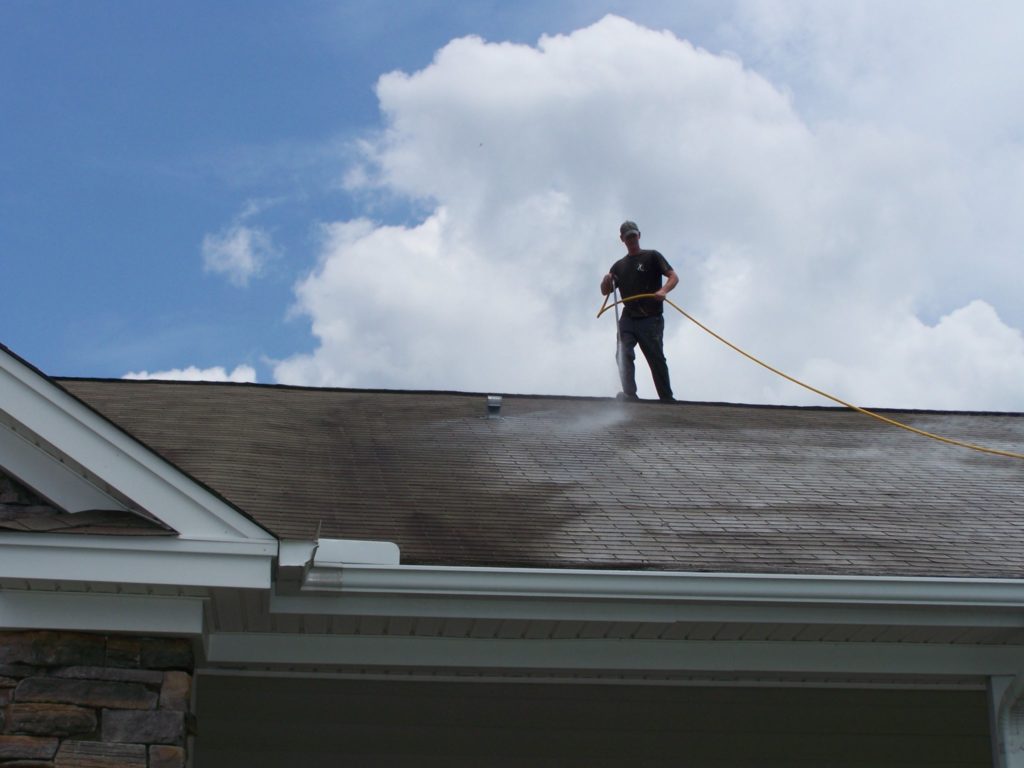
577, 482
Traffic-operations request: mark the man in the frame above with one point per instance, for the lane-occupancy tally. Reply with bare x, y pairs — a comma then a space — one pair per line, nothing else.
643, 320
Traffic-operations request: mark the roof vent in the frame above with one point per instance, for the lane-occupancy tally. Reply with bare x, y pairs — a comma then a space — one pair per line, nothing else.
494, 406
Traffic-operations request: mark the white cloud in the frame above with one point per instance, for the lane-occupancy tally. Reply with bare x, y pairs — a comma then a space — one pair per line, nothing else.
968, 355
874, 255
239, 252
938, 65
241, 374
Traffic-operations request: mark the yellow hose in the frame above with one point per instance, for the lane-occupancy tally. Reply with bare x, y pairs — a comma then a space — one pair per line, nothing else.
605, 306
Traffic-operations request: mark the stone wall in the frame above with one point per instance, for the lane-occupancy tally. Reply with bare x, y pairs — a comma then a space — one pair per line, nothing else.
77, 700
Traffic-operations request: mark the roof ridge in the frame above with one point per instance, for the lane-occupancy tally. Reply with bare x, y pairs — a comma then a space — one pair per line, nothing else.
518, 395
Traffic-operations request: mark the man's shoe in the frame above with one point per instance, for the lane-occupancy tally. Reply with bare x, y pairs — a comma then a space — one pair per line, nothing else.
624, 396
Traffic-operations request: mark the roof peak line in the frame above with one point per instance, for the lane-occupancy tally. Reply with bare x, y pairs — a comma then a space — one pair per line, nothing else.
518, 395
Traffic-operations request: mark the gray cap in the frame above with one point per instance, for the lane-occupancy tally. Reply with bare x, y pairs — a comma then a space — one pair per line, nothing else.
628, 228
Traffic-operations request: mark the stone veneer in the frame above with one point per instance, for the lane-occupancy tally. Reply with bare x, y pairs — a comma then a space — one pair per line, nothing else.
78, 700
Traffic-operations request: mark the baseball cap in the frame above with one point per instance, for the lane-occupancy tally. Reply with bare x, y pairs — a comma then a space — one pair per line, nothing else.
628, 227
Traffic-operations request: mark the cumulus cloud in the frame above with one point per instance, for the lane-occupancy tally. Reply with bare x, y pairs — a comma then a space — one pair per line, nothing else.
242, 374
866, 254
239, 253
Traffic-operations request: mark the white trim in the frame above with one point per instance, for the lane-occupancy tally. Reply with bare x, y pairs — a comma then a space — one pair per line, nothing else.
661, 611
266, 549
51, 478
295, 553
137, 560
559, 584
118, 459
334, 553
694, 681
996, 689
1007, 727
96, 612
742, 657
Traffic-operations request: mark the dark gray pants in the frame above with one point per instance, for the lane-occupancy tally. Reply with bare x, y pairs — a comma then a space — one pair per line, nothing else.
649, 333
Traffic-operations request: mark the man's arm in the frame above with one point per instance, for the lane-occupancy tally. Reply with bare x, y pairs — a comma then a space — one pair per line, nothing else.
607, 283
671, 282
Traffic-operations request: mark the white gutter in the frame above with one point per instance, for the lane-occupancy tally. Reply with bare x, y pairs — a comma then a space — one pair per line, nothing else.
565, 584
330, 554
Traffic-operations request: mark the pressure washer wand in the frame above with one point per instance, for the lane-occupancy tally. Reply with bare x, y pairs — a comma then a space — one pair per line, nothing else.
618, 333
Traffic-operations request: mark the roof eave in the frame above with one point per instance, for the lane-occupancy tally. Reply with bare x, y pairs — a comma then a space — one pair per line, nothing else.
140, 560
448, 581
646, 595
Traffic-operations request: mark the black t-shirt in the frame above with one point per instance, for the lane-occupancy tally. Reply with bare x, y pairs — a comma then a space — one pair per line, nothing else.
640, 274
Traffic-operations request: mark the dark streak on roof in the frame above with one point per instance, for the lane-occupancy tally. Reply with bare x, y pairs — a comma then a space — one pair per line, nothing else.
592, 483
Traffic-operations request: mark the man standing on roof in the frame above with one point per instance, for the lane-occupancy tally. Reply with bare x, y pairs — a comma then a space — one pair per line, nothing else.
643, 320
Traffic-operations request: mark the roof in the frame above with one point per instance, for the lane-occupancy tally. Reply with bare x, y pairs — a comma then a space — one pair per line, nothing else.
594, 483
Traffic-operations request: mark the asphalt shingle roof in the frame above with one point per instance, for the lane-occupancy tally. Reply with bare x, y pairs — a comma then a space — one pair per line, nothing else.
592, 483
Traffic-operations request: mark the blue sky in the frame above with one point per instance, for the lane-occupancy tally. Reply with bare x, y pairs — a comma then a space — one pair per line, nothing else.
835, 182
134, 128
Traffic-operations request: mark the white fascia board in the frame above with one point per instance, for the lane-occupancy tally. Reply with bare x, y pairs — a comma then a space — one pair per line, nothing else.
753, 657
661, 611
111, 454
95, 612
60, 484
137, 560
295, 553
641, 586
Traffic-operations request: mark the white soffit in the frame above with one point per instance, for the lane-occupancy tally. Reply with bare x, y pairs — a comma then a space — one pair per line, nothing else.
43, 409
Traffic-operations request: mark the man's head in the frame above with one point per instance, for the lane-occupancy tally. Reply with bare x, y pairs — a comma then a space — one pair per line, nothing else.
629, 233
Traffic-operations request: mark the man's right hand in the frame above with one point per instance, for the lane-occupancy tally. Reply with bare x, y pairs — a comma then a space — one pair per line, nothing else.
607, 284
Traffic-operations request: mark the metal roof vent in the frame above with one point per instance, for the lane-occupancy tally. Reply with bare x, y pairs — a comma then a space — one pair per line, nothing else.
494, 406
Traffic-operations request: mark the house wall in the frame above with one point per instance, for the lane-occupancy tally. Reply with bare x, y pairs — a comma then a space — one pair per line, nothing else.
71, 699
261, 722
